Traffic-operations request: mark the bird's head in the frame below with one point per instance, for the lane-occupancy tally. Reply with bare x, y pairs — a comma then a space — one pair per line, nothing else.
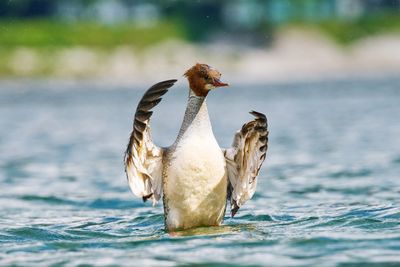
203, 78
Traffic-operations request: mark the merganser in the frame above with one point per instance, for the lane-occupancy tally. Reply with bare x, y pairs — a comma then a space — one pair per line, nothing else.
195, 176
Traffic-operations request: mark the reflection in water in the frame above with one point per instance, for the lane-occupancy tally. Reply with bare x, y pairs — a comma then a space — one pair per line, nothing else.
214, 230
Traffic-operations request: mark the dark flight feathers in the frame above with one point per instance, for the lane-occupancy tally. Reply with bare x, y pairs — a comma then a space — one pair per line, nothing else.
143, 159
149, 100
244, 160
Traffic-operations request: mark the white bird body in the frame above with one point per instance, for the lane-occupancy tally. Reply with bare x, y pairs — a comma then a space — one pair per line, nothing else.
194, 175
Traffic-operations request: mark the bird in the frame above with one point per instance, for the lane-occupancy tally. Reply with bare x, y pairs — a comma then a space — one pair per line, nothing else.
194, 176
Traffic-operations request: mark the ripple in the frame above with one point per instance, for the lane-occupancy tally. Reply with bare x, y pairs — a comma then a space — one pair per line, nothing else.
210, 231
260, 218
351, 173
48, 200
368, 212
322, 199
331, 222
306, 190
90, 234
39, 234
112, 204
15, 169
396, 160
369, 264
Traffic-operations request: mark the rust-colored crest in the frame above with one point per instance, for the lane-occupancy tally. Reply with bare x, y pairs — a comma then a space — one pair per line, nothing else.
202, 77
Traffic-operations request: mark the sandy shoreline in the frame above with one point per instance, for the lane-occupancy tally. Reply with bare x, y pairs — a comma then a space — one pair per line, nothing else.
294, 56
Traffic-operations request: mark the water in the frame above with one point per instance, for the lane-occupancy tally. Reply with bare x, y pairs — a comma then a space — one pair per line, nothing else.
328, 192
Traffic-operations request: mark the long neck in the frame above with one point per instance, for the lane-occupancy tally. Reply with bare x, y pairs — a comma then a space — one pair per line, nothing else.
196, 115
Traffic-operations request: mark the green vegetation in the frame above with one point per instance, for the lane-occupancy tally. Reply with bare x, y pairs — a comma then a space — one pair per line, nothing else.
53, 34
41, 47
42, 40
346, 32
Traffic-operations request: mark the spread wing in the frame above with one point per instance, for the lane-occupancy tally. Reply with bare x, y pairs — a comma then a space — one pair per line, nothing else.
244, 160
143, 159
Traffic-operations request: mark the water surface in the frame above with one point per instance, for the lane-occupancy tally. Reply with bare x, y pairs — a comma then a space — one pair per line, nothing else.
328, 193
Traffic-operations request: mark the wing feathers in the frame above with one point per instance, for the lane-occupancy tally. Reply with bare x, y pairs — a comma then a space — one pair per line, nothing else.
146, 105
244, 160
143, 159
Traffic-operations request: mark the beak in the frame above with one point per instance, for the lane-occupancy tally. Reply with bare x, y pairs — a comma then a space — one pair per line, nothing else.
218, 83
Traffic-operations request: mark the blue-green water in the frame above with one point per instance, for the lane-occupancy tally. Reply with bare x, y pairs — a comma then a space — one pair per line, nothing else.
328, 193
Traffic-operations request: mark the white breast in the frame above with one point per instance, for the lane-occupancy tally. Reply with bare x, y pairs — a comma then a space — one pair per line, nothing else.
196, 181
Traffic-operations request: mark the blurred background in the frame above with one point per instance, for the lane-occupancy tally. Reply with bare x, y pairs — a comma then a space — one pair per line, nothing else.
123, 41
325, 72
